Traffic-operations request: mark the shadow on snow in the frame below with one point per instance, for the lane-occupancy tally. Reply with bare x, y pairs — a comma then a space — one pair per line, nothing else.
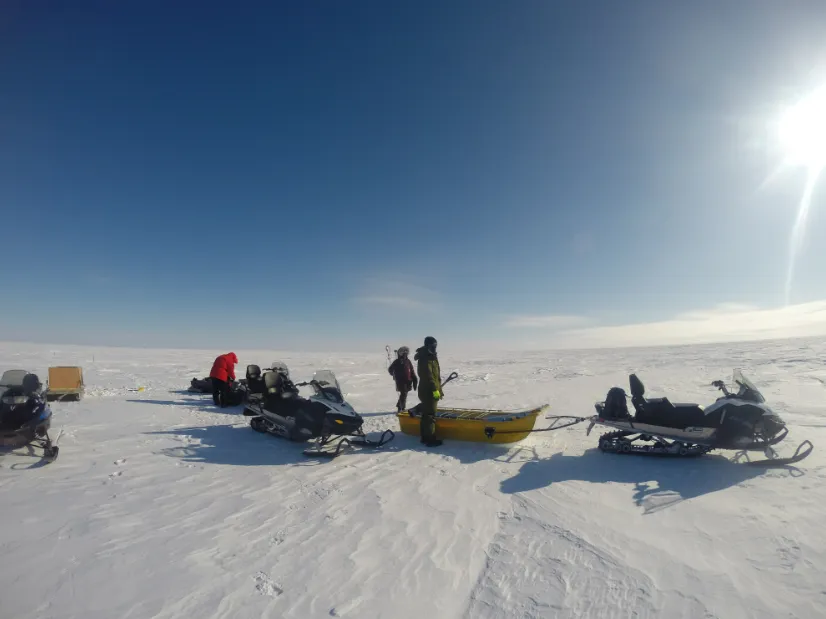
242, 446
235, 445
198, 403
658, 482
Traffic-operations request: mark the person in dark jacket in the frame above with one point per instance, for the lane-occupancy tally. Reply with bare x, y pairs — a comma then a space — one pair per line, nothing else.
222, 375
430, 390
402, 372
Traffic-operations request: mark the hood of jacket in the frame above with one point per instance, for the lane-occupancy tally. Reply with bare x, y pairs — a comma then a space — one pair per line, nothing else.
232, 357
424, 353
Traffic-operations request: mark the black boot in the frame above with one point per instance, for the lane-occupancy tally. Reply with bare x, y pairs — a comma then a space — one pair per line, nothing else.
433, 442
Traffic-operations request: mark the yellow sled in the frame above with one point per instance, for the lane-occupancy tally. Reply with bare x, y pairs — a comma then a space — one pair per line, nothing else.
479, 426
65, 383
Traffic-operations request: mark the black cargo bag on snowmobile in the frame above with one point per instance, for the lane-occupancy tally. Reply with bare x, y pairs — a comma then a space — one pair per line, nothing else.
616, 406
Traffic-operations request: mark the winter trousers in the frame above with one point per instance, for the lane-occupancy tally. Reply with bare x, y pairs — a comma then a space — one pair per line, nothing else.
220, 392
403, 390
427, 409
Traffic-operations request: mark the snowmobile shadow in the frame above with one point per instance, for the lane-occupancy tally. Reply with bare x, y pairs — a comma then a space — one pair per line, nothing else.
235, 445
204, 405
27, 453
659, 483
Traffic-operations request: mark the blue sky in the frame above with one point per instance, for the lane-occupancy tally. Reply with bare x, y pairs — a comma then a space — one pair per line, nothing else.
348, 174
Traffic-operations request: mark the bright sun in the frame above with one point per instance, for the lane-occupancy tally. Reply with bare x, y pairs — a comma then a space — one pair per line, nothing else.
803, 131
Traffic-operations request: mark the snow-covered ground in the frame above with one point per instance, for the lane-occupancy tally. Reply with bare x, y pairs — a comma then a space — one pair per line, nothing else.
162, 506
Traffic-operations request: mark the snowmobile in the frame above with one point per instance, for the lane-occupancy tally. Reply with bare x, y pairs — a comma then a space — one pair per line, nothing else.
325, 416
200, 385
237, 391
738, 421
25, 416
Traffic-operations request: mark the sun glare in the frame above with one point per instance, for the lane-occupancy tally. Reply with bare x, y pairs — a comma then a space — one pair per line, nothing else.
803, 131
803, 134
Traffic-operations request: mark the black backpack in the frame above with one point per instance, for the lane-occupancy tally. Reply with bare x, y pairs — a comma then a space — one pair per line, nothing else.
616, 406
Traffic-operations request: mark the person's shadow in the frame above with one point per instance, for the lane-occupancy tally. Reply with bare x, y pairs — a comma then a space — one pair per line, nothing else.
658, 482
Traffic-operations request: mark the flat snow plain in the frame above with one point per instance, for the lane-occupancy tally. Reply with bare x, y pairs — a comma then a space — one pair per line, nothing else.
162, 506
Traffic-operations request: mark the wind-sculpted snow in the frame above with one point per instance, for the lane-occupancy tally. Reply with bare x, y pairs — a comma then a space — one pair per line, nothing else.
162, 506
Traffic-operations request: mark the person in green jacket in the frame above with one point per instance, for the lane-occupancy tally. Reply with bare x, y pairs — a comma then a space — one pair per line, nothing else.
430, 390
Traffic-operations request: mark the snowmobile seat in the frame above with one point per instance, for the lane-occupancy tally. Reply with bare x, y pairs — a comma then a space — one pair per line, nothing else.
271, 382
255, 383
278, 386
281, 395
661, 411
31, 384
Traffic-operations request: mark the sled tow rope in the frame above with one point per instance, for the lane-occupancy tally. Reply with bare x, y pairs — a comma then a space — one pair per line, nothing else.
559, 422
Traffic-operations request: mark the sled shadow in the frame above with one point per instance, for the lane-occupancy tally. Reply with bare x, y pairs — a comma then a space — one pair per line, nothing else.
465, 452
658, 482
234, 445
378, 414
200, 404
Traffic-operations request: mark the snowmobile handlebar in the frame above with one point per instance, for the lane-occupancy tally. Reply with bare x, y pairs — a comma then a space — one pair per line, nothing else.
721, 386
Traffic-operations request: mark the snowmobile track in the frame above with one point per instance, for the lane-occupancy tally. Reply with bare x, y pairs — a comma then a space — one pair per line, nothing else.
617, 442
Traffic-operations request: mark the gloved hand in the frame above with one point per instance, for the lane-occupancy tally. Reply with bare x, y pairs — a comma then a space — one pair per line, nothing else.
437, 395
415, 385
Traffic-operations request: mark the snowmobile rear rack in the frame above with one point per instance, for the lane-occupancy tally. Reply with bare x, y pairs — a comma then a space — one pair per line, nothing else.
564, 421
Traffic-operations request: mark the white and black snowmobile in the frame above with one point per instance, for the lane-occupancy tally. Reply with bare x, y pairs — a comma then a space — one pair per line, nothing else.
325, 416
737, 421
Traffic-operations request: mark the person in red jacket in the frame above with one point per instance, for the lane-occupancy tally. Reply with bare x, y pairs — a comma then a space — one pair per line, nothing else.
222, 375
405, 376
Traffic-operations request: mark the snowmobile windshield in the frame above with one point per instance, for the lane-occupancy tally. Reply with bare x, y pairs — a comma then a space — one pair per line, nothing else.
326, 386
281, 368
747, 389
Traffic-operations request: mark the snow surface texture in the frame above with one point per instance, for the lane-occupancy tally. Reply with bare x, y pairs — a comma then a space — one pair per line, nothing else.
162, 506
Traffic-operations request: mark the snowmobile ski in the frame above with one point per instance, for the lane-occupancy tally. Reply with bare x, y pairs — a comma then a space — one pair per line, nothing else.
801, 453
323, 447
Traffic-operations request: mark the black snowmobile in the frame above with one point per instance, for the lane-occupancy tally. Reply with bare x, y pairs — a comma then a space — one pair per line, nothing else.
204, 385
25, 416
325, 416
737, 421
236, 394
